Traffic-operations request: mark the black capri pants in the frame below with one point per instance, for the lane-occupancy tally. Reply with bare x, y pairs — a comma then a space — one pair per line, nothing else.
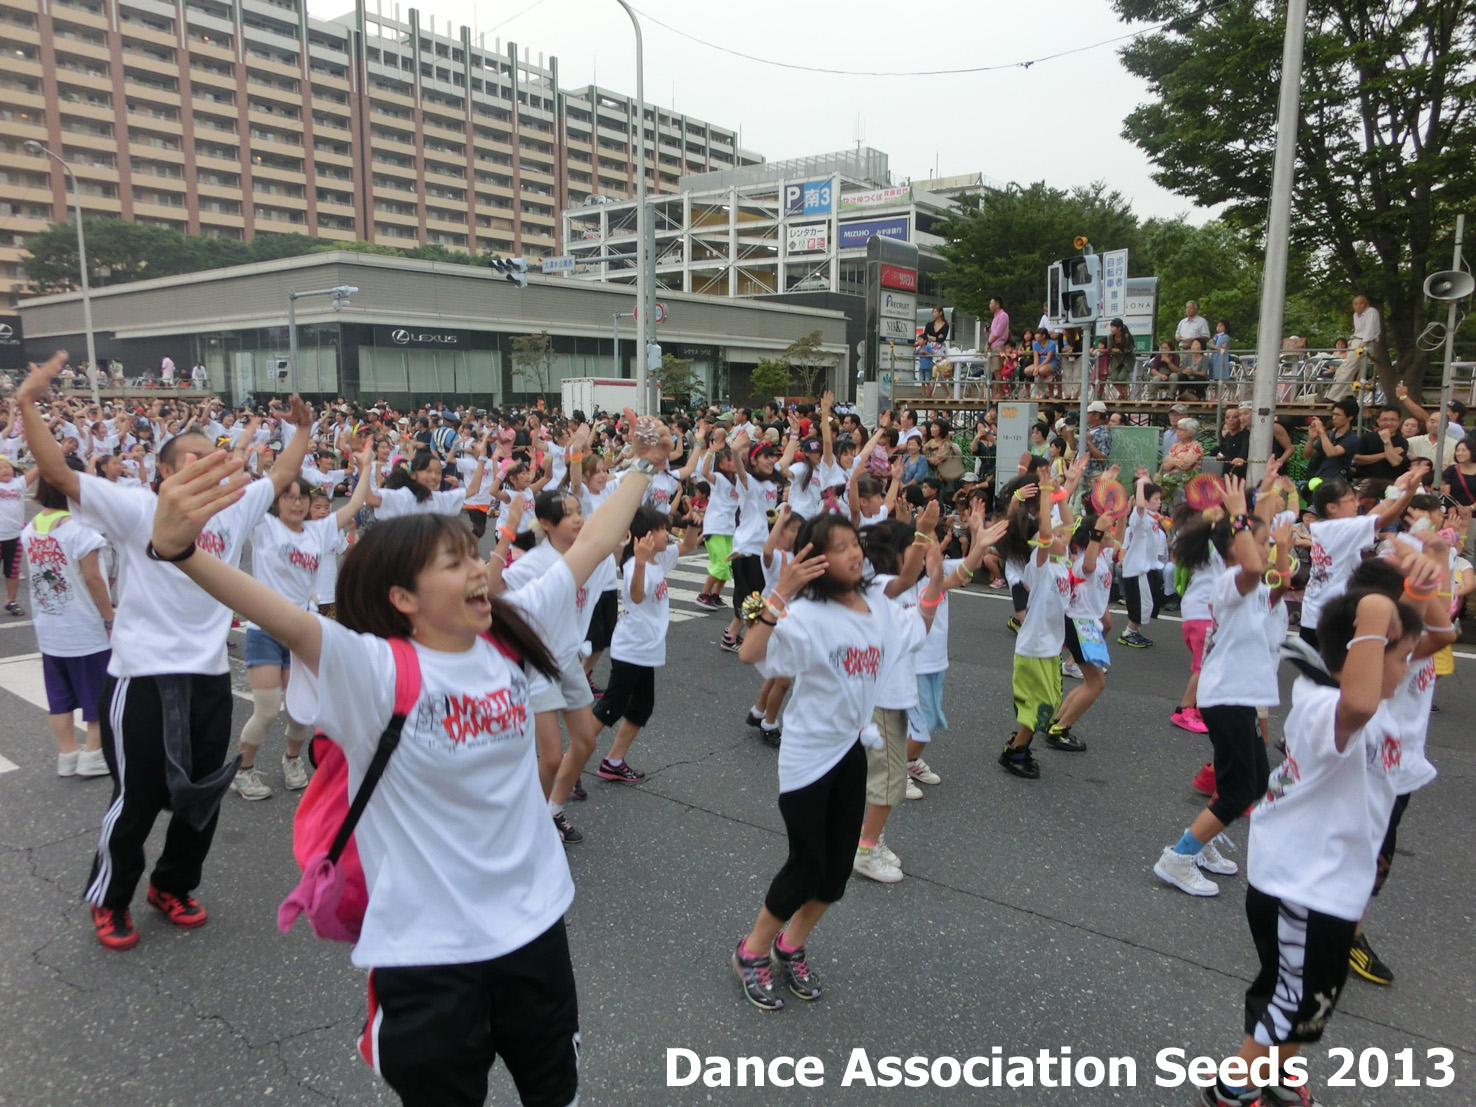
1391, 840
602, 622
823, 820
748, 578
631, 694
434, 1031
1242, 769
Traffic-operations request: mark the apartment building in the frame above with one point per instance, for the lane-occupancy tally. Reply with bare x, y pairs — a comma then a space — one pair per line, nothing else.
248, 117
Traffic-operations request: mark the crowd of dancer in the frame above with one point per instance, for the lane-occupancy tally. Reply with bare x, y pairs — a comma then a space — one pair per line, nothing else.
841, 571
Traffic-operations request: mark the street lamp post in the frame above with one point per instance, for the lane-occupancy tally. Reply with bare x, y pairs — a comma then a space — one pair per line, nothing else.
36, 148
340, 294
645, 285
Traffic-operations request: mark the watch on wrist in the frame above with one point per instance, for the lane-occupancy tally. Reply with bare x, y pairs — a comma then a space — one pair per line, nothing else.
641, 465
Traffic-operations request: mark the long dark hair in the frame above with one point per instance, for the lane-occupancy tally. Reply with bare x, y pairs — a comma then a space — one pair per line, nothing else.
885, 543
643, 522
1196, 537
395, 552
403, 475
816, 533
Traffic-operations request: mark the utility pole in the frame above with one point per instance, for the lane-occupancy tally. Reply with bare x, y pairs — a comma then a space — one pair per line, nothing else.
1278, 235
645, 260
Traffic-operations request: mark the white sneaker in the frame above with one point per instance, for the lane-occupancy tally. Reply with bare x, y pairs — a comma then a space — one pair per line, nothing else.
66, 763
885, 852
870, 864
922, 772
913, 791
92, 763
295, 772
1182, 872
1071, 669
250, 786
1212, 860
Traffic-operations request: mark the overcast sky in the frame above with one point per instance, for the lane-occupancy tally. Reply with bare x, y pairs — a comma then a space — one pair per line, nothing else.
975, 122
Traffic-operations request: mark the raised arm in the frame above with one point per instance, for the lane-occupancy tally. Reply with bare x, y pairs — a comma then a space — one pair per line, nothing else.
1410, 405
1391, 510
1375, 628
51, 463
605, 530
365, 463
289, 462
827, 436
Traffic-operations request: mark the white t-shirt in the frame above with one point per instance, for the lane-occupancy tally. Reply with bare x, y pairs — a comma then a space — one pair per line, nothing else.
721, 517
897, 690
482, 497
1140, 543
558, 462
1195, 602
540, 560
12, 507
1090, 592
460, 858
806, 497
640, 635
402, 501
319, 479
1337, 547
662, 491
165, 623
1315, 838
589, 503
932, 656
1410, 709
759, 497
1189, 329
289, 562
839, 659
67, 621
1238, 667
325, 584
1043, 630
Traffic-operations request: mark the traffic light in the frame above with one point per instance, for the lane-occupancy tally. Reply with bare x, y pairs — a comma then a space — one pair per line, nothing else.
1080, 288
514, 269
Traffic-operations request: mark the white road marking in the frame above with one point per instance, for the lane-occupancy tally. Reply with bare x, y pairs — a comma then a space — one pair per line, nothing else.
7, 766
18, 623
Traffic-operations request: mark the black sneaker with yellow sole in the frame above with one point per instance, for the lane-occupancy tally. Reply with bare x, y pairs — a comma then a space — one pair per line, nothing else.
1020, 762
1365, 962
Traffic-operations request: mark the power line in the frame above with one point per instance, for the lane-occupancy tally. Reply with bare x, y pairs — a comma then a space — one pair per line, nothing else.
931, 72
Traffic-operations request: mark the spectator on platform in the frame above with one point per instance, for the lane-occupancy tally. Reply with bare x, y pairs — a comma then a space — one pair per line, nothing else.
1367, 331
1121, 356
1233, 449
1163, 371
1192, 326
999, 335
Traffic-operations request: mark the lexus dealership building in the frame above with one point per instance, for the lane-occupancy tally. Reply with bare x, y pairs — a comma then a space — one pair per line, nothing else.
414, 330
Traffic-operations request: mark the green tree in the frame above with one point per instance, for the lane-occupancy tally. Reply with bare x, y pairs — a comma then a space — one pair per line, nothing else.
1388, 120
532, 357
769, 380
678, 379
809, 363
1001, 243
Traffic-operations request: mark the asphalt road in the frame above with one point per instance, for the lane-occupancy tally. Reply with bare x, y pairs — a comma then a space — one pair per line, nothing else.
1029, 918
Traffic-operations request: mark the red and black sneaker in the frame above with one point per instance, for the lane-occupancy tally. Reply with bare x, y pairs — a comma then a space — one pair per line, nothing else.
184, 911
594, 689
114, 928
621, 772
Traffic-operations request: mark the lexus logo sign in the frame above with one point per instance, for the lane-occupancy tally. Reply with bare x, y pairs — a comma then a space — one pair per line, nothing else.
402, 337
6, 332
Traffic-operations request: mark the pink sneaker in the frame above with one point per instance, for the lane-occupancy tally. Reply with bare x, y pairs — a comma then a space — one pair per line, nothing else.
1187, 718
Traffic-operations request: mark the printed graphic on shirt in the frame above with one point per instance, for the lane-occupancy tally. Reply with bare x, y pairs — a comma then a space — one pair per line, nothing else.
49, 588
661, 590
466, 721
298, 559
1322, 564
857, 661
213, 542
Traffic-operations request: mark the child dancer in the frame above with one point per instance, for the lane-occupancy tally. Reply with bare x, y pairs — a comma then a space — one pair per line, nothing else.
1237, 677
1314, 839
13, 488
1036, 679
759, 491
719, 522
287, 551
838, 639
73, 615
638, 647
1093, 544
1339, 537
1199, 559
778, 551
1140, 563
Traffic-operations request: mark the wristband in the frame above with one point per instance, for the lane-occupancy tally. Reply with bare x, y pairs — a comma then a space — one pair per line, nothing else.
1059, 495
1041, 543
1368, 638
921, 539
183, 555
766, 622
1020, 495
508, 533
1273, 578
1412, 594
929, 606
1428, 627
499, 557
1240, 522
967, 572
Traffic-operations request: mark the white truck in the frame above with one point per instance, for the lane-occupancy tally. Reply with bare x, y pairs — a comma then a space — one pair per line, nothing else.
591, 394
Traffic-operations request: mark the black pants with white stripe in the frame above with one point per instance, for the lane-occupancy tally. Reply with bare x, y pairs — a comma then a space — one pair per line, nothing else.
133, 743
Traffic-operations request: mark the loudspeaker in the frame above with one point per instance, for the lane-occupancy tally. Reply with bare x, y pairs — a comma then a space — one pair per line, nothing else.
1449, 284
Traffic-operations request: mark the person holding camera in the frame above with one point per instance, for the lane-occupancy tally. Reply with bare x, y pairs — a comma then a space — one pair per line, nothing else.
1329, 449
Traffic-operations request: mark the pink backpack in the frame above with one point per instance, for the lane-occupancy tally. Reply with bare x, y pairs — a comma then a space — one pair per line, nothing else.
332, 892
